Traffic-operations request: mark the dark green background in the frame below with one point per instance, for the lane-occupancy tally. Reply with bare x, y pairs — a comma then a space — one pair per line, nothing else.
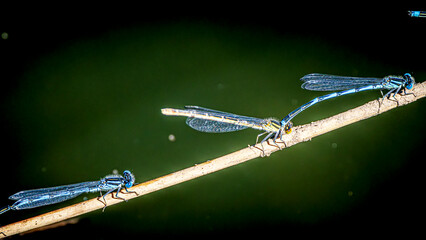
82, 97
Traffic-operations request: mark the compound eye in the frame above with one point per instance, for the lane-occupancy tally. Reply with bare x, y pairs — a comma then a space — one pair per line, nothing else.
129, 178
288, 128
408, 76
410, 81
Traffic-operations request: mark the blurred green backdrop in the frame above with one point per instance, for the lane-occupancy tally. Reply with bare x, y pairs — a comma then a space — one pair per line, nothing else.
92, 105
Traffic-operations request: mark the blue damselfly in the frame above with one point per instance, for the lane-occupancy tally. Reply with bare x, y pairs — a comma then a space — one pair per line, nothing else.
325, 82
213, 121
46, 196
417, 13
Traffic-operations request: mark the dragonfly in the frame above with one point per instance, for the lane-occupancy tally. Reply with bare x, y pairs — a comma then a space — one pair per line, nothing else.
213, 121
45, 196
326, 82
417, 13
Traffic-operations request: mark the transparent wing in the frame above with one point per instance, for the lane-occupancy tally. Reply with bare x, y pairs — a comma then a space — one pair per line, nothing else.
203, 110
325, 82
204, 125
208, 120
45, 199
77, 187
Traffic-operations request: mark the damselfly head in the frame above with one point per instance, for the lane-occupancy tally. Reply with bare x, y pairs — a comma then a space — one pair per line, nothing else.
288, 127
409, 81
129, 179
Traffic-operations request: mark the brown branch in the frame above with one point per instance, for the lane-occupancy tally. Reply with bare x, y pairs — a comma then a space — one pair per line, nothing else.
300, 134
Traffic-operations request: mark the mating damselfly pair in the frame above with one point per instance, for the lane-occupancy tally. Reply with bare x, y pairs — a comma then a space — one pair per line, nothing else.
213, 121
46, 196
